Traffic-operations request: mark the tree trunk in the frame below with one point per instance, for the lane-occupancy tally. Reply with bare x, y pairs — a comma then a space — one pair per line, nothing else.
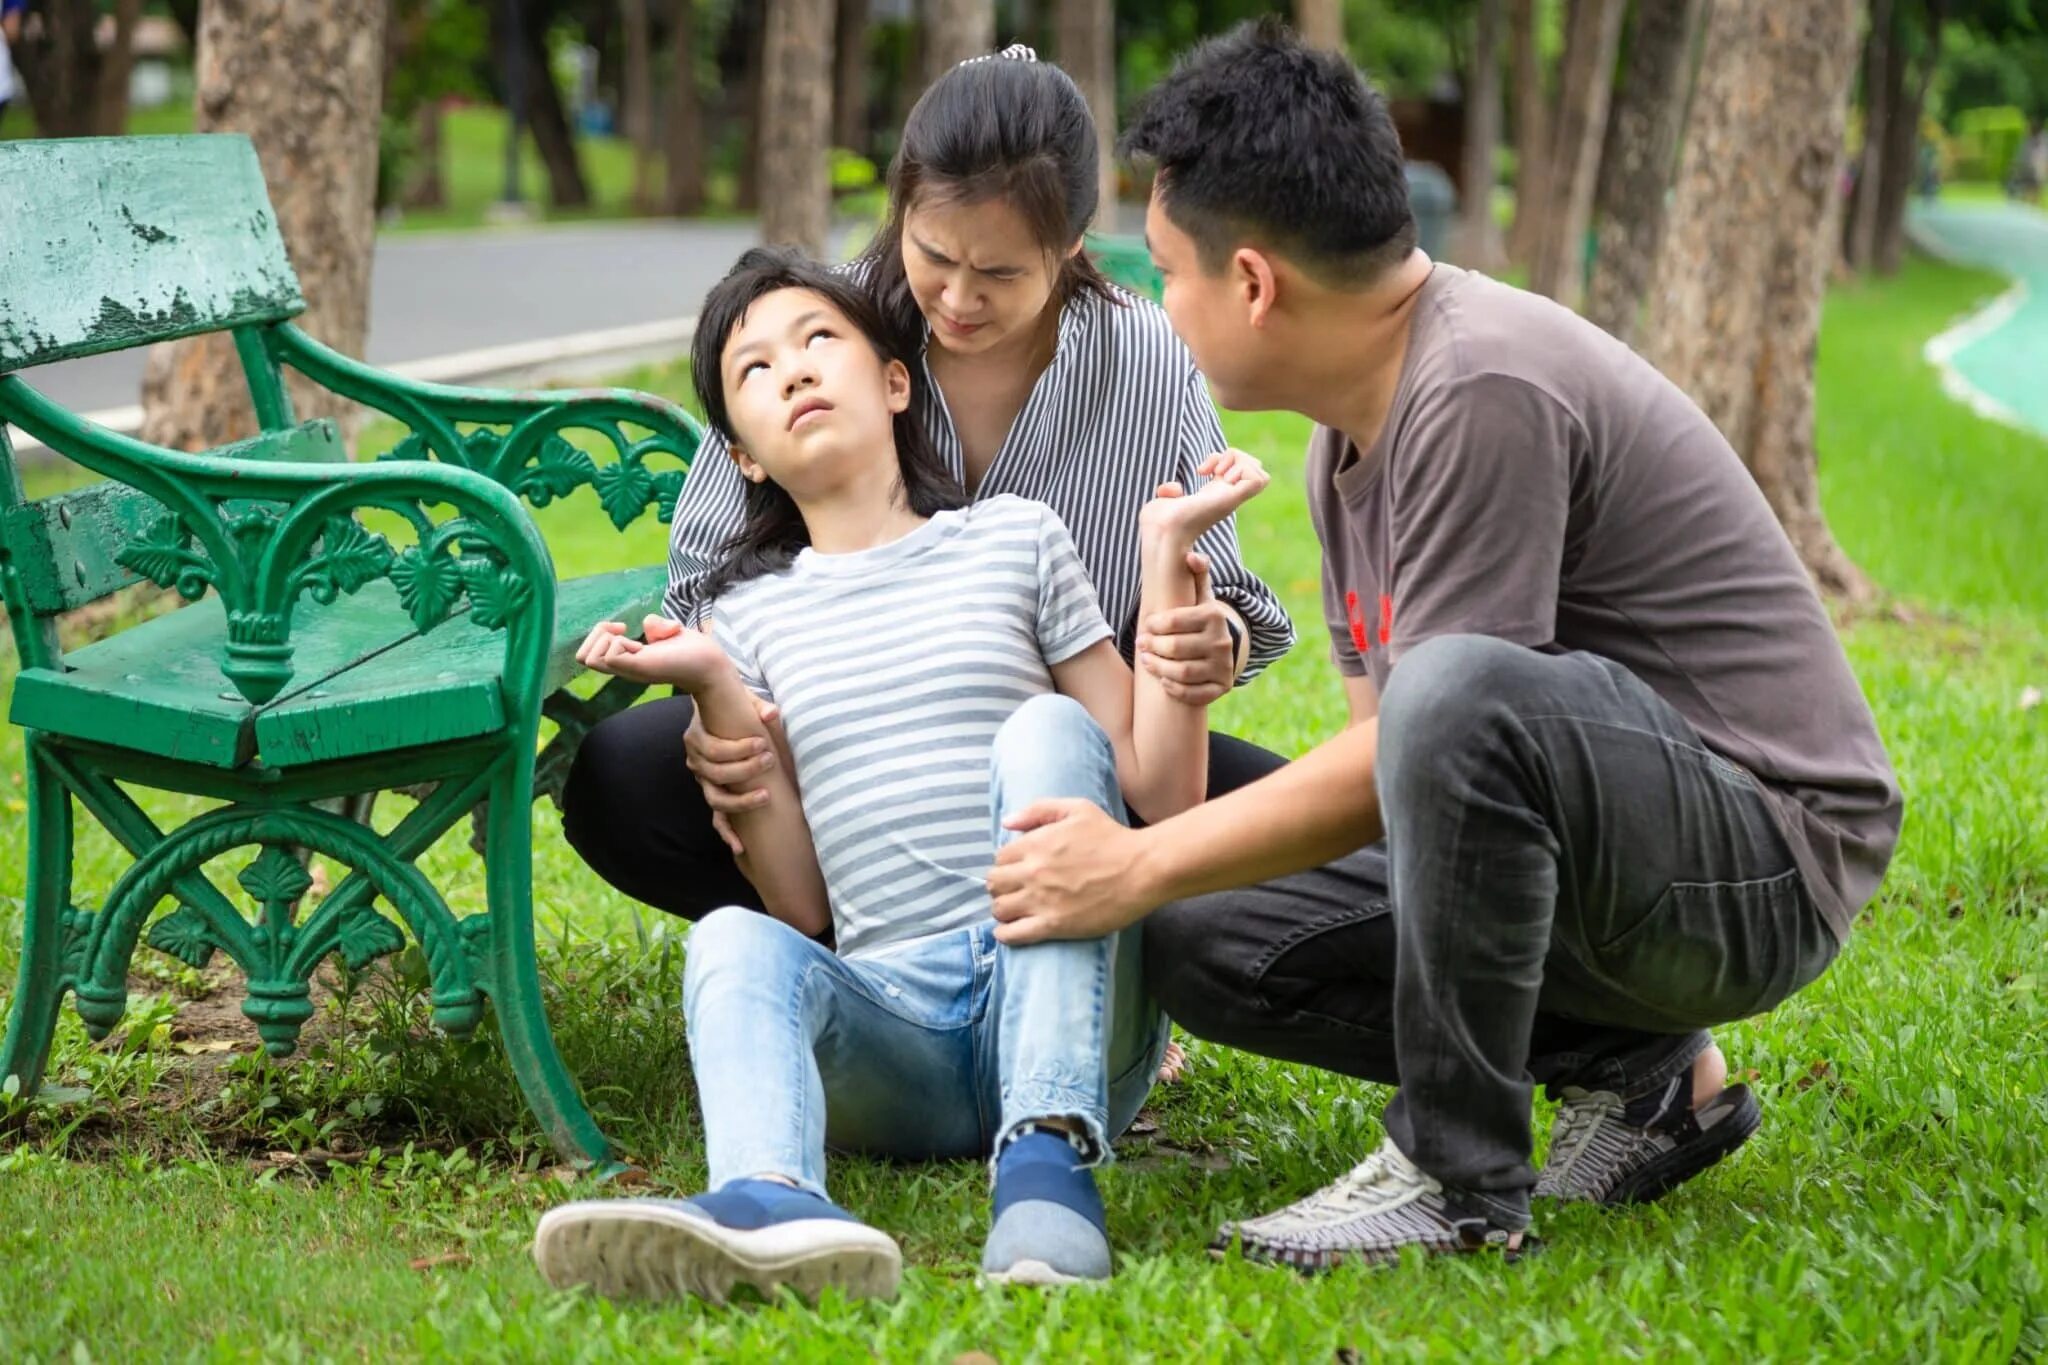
1532, 132
1902, 136
426, 188
796, 102
1480, 247
1879, 96
117, 64
60, 68
955, 30
317, 140
685, 137
1754, 228
1320, 23
1635, 171
1085, 43
545, 117
752, 100
1585, 88
850, 78
638, 98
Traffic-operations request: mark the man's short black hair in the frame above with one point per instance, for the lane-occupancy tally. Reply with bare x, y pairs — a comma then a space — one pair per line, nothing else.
1258, 135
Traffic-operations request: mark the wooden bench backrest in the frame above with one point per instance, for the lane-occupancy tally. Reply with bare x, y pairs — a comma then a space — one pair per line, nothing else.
112, 243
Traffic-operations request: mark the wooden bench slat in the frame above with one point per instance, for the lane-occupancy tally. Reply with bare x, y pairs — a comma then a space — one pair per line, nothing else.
157, 687
375, 684
64, 546
442, 685
112, 243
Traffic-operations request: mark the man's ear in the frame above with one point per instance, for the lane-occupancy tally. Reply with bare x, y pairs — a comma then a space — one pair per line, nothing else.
1257, 283
751, 472
896, 380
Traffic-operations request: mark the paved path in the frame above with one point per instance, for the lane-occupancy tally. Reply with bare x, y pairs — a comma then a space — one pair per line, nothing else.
435, 294
1996, 359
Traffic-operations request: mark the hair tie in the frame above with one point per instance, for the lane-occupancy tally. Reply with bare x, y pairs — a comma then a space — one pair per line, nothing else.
1015, 52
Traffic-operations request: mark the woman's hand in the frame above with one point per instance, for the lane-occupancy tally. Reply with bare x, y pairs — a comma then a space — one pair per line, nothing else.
1189, 649
729, 770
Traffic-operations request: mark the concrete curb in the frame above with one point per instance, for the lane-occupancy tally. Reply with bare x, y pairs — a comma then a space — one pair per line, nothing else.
576, 358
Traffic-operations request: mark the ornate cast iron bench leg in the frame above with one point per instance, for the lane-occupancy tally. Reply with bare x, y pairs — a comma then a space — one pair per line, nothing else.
47, 931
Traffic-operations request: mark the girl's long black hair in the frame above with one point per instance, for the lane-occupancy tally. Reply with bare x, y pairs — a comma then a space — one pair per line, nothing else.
774, 530
1006, 127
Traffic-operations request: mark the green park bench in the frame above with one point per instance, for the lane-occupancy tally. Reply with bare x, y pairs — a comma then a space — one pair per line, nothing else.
321, 659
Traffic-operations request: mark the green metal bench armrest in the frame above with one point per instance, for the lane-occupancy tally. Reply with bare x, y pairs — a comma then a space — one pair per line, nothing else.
533, 458
262, 535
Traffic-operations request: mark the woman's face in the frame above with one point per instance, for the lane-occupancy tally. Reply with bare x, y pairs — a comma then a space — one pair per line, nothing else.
979, 276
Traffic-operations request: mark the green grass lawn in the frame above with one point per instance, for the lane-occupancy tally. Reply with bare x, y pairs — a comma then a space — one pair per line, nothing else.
1892, 1207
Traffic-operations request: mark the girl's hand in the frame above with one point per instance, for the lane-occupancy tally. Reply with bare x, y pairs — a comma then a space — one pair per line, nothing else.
687, 659
1235, 478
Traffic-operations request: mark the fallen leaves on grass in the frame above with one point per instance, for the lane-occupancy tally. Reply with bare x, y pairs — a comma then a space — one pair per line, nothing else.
436, 1262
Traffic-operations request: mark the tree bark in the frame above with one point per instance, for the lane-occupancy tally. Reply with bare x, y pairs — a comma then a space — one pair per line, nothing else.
60, 69
1754, 227
1902, 136
1635, 171
684, 192
1532, 132
317, 140
637, 95
850, 78
754, 34
1481, 247
1879, 96
1320, 23
545, 117
117, 64
955, 30
426, 188
1085, 43
1586, 87
796, 100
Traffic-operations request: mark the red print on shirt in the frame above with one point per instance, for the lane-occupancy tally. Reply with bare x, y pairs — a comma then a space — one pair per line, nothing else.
1386, 618
1357, 619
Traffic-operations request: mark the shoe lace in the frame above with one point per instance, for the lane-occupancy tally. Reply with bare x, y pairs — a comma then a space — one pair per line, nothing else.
1578, 1120
1382, 1178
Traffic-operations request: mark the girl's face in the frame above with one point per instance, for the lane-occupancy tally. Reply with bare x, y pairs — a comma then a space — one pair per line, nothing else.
810, 401
980, 277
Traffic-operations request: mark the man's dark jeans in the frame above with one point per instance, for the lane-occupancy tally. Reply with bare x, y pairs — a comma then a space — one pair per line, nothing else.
1572, 888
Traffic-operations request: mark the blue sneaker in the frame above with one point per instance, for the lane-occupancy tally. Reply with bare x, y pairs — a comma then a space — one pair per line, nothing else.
1049, 1227
746, 1232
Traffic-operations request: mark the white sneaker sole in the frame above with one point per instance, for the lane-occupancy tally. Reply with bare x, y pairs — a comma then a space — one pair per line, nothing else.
625, 1250
1036, 1274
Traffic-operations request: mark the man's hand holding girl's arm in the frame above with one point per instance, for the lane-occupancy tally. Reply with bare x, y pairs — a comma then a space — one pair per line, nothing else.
1161, 735
1190, 649
784, 866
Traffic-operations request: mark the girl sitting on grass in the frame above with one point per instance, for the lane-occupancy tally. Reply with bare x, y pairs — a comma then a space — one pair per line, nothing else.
937, 669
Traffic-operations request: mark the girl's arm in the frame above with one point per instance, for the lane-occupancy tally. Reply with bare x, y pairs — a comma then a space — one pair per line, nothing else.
1162, 745
780, 860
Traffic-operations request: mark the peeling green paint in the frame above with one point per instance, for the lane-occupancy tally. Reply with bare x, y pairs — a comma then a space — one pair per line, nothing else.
112, 243
145, 231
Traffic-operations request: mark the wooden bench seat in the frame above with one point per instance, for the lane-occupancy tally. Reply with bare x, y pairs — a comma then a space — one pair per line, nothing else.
367, 680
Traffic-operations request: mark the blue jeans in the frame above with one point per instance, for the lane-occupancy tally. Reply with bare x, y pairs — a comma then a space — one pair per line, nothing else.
936, 1047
